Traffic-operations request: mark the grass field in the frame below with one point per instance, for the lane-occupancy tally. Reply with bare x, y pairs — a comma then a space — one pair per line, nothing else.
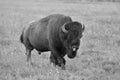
99, 54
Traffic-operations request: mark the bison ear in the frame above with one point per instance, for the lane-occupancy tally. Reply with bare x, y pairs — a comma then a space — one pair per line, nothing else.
83, 27
65, 28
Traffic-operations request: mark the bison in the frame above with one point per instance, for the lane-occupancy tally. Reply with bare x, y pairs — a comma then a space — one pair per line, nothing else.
56, 33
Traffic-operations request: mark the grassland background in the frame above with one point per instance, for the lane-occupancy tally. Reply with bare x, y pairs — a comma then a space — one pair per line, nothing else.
99, 54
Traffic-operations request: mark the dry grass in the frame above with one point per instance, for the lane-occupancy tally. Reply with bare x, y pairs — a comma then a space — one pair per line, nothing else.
99, 54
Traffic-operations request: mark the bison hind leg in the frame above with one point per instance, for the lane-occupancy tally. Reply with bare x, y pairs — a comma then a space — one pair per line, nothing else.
28, 54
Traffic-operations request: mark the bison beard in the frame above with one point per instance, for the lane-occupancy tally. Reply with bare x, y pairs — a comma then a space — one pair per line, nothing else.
56, 33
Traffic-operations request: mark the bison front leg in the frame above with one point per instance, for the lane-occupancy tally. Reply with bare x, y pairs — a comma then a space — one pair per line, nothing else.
53, 59
57, 60
61, 62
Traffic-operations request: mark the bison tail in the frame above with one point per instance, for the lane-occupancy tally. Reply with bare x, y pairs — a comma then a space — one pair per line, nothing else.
21, 38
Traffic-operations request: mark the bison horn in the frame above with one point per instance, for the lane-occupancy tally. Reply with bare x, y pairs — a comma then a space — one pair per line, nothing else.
63, 29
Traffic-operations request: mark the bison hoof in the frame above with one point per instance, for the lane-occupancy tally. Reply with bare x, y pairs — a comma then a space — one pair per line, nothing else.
62, 66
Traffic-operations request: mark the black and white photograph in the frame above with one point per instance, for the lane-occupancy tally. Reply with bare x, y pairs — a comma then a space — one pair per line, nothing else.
59, 39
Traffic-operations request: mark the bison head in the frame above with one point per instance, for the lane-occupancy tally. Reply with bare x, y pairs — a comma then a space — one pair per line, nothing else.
71, 34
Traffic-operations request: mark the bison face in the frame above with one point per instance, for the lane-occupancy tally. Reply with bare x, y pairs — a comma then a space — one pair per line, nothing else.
72, 48
71, 37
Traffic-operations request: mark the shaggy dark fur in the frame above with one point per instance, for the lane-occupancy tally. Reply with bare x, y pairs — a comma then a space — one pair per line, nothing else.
47, 34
